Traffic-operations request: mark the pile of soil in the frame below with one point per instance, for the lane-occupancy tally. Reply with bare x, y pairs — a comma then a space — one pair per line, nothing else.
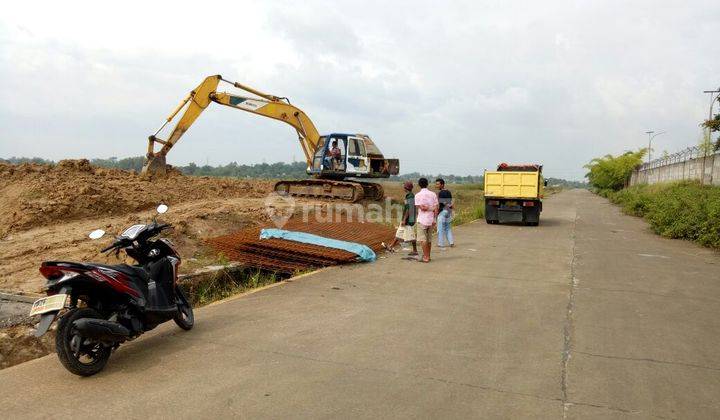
18, 344
39, 195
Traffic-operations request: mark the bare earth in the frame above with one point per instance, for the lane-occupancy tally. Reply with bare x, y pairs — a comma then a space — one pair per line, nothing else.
46, 213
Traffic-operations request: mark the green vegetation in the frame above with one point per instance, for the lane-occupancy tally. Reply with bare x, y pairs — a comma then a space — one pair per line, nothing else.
713, 125
563, 183
18, 160
225, 283
613, 172
469, 202
295, 170
128, 164
449, 179
685, 210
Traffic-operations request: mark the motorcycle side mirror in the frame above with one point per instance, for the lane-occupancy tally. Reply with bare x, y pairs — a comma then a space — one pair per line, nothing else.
162, 208
97, 234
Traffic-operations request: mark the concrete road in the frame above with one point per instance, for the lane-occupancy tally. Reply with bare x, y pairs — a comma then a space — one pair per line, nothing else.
587, 316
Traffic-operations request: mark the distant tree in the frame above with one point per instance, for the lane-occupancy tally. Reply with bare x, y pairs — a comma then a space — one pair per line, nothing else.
705, 144
565, 183
190, 169
18, 160
612, 172
134, 163
294, 170
449, 178
713, 126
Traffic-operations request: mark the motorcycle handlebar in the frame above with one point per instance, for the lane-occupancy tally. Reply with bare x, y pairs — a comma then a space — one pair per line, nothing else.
121, 242
109, 247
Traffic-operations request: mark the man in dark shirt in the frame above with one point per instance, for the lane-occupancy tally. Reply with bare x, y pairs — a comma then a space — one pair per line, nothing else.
406, 230
444, 220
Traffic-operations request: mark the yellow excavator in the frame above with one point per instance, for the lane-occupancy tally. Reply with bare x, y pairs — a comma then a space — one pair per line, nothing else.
331, 159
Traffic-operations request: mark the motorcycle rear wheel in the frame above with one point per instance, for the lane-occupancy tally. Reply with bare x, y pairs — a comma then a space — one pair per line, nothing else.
184, 318
81, 356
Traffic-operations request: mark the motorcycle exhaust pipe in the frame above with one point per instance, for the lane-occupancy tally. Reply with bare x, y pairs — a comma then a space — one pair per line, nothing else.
101, 330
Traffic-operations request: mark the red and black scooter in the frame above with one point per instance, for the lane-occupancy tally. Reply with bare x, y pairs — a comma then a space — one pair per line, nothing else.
101, 306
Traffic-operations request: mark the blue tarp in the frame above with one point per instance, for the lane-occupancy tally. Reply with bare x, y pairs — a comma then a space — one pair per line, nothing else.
362, 251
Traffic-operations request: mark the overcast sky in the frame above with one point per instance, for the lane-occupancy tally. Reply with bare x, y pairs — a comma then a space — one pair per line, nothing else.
450, 87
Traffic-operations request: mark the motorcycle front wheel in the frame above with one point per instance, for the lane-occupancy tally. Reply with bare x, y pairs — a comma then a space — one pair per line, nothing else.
184, 318
81, 356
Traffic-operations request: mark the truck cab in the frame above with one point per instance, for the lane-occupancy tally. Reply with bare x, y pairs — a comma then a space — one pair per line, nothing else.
359, 157
513, 193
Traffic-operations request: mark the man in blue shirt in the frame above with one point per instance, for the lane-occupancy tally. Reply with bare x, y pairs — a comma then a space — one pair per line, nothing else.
444, 220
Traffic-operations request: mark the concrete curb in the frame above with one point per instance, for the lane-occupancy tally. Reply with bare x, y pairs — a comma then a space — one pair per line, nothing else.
19, 298
269, 286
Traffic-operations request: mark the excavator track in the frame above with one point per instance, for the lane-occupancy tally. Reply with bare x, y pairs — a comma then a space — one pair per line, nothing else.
373, 191
330, 190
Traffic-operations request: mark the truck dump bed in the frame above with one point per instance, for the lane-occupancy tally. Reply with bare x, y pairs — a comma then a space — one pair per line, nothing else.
513, 184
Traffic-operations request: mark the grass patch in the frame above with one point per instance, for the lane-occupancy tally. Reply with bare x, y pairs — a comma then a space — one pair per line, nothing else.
468, 198
684, 210
220, 284
469, 202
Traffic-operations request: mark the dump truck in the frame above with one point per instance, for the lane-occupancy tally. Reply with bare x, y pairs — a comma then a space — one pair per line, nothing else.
513, 193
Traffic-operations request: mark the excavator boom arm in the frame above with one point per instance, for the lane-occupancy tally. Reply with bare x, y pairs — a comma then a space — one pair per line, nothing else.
278, 110
195, 103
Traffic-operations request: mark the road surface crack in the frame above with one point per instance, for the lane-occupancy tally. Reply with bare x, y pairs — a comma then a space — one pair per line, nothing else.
649, 360
646, 293
569, 327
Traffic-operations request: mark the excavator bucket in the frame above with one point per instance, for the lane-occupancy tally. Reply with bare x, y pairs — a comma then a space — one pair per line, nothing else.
154, 166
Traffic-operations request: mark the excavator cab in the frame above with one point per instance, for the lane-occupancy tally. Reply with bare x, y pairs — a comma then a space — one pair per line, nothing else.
359, 157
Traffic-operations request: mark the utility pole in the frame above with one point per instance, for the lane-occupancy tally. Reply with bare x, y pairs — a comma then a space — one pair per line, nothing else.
651, 136
714, 94
713, 97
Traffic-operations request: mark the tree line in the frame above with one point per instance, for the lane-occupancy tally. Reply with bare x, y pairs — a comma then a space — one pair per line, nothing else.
295, 170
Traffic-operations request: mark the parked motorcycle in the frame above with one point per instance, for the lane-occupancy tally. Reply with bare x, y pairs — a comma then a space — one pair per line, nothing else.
101, 306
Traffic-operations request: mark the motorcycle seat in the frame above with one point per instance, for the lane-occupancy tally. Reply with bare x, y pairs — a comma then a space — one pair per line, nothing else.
134, 272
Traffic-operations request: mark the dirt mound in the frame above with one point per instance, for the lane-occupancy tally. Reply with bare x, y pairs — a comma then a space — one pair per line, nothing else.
37, 195
18, 344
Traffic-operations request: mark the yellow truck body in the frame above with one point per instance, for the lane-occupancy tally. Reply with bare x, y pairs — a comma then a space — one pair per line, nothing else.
513, 184
514, 193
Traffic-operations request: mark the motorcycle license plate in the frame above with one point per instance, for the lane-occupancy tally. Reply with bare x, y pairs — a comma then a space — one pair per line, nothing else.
48, 304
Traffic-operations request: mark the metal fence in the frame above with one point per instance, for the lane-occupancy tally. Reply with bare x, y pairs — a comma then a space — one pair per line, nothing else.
694, 152
693, 163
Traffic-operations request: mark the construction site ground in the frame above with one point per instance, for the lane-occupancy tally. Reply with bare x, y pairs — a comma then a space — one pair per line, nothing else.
589, 315
46, 213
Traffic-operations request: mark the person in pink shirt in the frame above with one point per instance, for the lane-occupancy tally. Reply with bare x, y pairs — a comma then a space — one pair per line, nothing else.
427, 204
